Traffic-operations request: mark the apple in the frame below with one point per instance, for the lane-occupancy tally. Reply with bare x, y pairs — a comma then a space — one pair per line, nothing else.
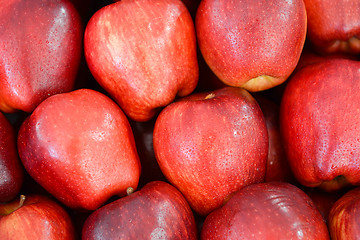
79, 146
277, 167
320, 124
12, 175
209, 145
251, 44
334, 27
275, 210
145, 58
41, 45
35, 217
344, 216
156, 211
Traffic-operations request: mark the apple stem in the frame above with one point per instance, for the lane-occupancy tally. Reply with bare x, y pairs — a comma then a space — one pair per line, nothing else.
14, 205
22, 200
209, 96
129, 191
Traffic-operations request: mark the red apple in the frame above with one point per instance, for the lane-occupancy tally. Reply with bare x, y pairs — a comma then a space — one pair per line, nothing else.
41, 43
80, 147
320, 124
35, 217
275, 210
209, 145
157, 211
12, 175
344, 222
146, 57
334, 26
277, 167
251, 44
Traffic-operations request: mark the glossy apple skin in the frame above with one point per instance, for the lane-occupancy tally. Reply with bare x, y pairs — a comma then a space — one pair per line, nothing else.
80, 147
146, 57
344, 216
334, 26
157, 211
12, 175
209, 145
319, 104
38, 218
41, 50
275, 210
251, 44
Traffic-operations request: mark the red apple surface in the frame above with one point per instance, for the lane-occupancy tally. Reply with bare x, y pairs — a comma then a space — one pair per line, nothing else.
157, 211
145, 58
277, 167
251, 44
320, 124
344, 222
275, 210
209, 145
334, 26
35, 217
12, 175
80, 147
41, 44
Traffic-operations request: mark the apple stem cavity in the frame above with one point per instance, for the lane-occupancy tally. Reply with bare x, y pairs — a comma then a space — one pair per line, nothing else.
338, 183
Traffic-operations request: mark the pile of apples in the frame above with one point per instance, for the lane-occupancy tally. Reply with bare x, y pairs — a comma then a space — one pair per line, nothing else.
170, 119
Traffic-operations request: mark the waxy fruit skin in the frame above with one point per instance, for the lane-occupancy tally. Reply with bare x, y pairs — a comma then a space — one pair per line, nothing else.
334, 26
80, 147
39, 217
251, 44
320, 124
344, 222
156, 211
275, 210
40, 53
209, 145
143, 53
